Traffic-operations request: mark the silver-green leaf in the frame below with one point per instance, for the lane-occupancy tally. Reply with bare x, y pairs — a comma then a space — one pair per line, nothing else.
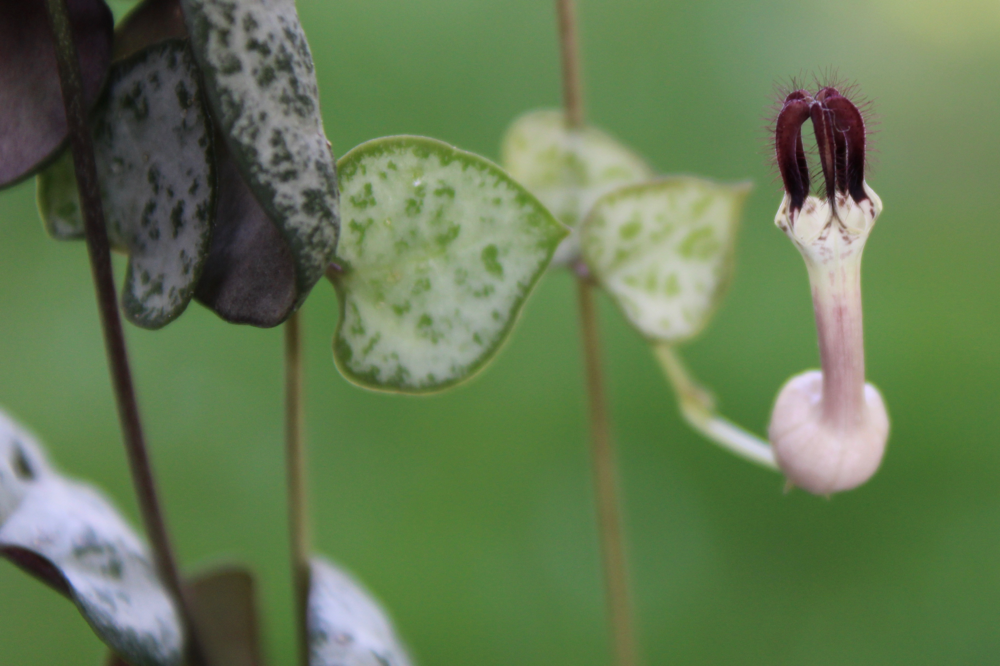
568, 170
439, 251
347, 627
68, 535
153, 147
664, 251
259, 76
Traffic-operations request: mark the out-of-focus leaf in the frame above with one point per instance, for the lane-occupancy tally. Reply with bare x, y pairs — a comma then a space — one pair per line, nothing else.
150, 22
250, 275
568, 170
347, 627
439, 251
225, 611
153, 145
32, 116
259, 76
664, 251
224, 606
68, 535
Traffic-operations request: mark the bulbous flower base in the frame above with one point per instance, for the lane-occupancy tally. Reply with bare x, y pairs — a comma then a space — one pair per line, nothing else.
818, 454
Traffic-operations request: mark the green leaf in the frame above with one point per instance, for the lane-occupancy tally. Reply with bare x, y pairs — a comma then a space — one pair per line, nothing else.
347, 627
664, 251
440, 249
259, 77
69, 536
152, 143
568, 170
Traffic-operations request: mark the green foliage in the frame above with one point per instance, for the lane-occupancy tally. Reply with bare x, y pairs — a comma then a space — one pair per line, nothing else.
664, 251
440, 249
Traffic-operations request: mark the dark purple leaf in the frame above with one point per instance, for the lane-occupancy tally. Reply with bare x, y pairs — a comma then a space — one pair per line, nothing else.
32, 118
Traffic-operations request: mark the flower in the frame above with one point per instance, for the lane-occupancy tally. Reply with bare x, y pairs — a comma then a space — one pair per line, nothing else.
829, 428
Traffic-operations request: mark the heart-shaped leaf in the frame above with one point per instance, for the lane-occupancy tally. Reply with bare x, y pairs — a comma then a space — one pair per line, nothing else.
153, 146
664, 251
439, 251
259, 77
347, 627
568, 170
32, 116
68, 535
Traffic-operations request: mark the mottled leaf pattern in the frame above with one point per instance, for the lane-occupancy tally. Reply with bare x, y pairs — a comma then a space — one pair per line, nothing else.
32, 116
567, 170
260, 80
664, 250
347, 627
69, 535
152, 142
439, 250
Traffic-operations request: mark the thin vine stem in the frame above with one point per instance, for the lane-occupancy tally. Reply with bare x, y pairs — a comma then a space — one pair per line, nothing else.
605, 474
295, 462
98, 249
602, 452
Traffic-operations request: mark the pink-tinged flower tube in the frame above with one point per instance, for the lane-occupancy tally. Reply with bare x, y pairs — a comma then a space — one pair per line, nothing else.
32, 117
829, 428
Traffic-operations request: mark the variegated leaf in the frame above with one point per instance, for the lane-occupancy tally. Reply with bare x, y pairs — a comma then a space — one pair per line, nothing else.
259, 75
347, 627
568, 170
68, 535
153, 146
664, 251
439, 250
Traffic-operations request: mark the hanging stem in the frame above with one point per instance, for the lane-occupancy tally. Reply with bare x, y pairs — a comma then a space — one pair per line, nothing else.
298, 523
107, 301
605, 473
570, 48
601, 450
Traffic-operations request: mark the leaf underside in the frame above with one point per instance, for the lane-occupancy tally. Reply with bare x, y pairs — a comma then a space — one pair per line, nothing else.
153, 146
439, 251
568, 170
68, 535
347, 627
664, 251
259, 78
32, 116
249, 276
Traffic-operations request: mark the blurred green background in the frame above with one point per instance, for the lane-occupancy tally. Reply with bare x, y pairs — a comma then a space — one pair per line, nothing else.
470, 513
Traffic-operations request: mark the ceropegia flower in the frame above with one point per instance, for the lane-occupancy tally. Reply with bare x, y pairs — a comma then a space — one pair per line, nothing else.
32, 117
829, 427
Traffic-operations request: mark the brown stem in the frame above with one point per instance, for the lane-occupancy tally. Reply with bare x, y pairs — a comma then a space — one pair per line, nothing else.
298, 523
606, 487
570, 50
114, 338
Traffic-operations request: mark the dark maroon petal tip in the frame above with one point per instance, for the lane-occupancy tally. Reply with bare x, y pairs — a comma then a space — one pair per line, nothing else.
32, 117
840, 141
788, 147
